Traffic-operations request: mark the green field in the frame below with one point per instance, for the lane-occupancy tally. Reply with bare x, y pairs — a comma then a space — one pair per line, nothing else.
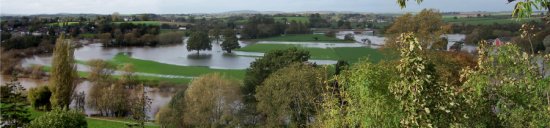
147, 66
349, 54
302, 19
305, 38
82, 74
61, 23
488, 20
154, 23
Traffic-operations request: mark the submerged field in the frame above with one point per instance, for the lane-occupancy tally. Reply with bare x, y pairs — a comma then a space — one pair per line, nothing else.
147, 66
305, 38
349, 54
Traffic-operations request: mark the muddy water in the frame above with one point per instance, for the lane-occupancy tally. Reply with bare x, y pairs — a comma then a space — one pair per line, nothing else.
159, 98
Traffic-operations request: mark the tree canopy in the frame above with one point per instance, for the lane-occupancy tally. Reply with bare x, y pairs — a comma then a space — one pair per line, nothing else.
63, 74
199, 41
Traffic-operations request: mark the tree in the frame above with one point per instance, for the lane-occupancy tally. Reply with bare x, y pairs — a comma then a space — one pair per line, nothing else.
349, 36
212, 101
60, 118
360, 97
230, 41
290, 94
128, 76
215, 34
269, 63
170, 38
424, 101
171, 115
100, 96
100, 71
39, 98
199, 41
427, 25
511, 82
140, 105
63, 74
13, 105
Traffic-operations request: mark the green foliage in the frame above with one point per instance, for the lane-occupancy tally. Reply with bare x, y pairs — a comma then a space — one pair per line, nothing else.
63, 74
524, 8
230, 41
295, 27
199, 41
403, 3
291, 94
424, 101
60, 118
272, 61
39, 98
360, 97
13, 105
170, 38
215, 34
510, 82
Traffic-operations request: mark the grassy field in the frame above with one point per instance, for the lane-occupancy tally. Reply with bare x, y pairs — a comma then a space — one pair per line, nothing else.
61, 23
349, 54
97, 122
154, 23
302, 19
147, 66
488, 20
305, 38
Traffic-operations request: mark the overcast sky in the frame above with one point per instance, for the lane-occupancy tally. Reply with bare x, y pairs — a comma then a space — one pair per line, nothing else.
214, 6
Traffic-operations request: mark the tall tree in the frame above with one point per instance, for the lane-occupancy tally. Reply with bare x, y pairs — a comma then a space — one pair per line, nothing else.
424, 101
288, 96
63, 74
199, 41
230, 40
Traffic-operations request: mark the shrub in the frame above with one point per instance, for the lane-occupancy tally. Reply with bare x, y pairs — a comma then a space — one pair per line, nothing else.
60, 118
39, 98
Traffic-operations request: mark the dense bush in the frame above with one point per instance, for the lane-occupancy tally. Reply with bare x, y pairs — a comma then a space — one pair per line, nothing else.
39, 98
59, 118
